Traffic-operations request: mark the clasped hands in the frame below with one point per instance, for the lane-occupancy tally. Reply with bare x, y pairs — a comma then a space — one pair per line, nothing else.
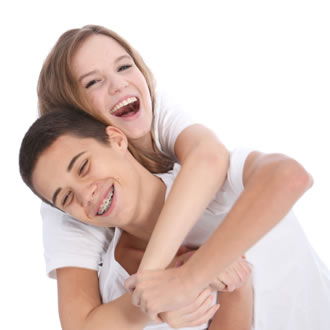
172, 295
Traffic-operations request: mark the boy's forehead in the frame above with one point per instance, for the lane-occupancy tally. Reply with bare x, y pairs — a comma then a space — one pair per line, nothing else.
74, 141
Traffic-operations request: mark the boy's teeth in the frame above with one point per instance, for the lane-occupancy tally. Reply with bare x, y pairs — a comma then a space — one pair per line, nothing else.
106, 203
123, 103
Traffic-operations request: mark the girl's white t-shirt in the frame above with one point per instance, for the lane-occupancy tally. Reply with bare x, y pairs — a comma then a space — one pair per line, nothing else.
71, 243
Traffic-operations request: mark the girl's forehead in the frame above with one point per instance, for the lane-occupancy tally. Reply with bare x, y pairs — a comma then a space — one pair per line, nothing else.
96, 51
104, 45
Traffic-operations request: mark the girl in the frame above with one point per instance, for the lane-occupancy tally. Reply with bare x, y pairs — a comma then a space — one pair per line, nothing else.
95, 69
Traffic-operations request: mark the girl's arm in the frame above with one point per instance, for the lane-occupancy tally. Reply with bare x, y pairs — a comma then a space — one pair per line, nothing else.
204, 163
273, 183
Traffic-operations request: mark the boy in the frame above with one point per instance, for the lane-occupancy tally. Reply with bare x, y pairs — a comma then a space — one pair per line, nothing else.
100, 183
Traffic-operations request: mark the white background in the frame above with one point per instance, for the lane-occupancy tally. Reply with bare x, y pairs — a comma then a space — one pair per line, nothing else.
257, 72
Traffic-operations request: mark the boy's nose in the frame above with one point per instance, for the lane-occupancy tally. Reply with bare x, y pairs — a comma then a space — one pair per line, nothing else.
87, 194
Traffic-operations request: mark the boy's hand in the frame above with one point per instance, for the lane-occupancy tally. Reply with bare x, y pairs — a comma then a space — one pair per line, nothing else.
195, 314
234, 276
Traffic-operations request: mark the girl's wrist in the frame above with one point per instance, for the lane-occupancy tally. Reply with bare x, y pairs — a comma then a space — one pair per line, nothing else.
191, 279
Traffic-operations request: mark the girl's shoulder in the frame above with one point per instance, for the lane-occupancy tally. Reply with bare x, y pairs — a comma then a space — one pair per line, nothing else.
170, 119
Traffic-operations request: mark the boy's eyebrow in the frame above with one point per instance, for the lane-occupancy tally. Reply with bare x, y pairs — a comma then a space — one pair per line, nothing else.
55, 195
73, 160
69, 168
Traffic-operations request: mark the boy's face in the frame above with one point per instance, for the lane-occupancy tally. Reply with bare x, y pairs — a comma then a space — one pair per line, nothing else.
94, 182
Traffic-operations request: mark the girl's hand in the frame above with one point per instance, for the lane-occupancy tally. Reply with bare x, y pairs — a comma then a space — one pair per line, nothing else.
156, 291
197, 313
234, 276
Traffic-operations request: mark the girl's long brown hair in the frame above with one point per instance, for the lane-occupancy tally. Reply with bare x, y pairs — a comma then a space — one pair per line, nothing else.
57, 87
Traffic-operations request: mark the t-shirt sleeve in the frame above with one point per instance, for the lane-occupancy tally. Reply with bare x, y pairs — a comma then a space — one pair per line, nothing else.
169, 121
236, 167
71, 243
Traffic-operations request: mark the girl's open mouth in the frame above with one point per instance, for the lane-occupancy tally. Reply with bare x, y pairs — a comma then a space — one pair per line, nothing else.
126, 108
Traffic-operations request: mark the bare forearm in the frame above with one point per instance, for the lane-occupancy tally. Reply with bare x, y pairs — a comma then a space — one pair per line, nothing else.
236, 311
270, 192
199, 179
80, 306
118, 314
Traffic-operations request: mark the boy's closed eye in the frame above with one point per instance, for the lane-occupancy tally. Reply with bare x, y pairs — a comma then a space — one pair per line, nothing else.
83, 169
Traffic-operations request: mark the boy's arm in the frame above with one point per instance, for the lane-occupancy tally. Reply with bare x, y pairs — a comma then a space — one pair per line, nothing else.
273, 183
236, 311
204, 163
80, 306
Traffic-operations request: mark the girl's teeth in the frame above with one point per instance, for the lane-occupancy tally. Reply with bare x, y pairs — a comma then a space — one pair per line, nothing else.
106, 203
123, 103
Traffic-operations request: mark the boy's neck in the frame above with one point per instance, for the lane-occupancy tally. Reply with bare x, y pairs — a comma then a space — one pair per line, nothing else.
152, 197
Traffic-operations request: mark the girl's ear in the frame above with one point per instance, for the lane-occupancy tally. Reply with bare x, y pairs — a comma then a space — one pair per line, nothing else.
116, 137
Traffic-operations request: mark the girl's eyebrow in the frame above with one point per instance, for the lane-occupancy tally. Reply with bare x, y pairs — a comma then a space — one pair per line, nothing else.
125, 56
118, 59
86, 74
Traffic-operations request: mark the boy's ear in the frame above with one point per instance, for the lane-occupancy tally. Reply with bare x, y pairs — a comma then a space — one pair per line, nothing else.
116, 137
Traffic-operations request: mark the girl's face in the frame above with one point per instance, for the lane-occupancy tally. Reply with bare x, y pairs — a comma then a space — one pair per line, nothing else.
114, 87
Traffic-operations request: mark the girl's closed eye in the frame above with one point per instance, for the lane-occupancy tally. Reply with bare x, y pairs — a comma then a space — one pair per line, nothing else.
91, 83
83, 169
124, 67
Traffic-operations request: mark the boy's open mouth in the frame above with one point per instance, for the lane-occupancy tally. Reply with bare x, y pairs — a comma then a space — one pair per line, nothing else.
106, 203
126, 108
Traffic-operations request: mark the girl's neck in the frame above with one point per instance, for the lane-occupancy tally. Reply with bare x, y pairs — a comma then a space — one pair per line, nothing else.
144, 143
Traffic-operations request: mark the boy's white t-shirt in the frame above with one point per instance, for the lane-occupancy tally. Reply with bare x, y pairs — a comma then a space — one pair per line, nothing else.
71, 243
291, 284
112, 275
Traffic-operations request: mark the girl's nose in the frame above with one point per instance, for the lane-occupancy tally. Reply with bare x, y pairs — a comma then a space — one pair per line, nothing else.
117, 84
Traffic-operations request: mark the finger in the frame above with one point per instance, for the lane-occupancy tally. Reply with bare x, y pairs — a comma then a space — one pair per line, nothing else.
136, 298
244, 271
196, 303
158, 319
218, 285
205, 318
130, 283
230, 279
203, 308
185, 316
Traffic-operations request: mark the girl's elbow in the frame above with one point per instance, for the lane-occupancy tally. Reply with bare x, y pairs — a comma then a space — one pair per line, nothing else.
217, 161
296, 176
